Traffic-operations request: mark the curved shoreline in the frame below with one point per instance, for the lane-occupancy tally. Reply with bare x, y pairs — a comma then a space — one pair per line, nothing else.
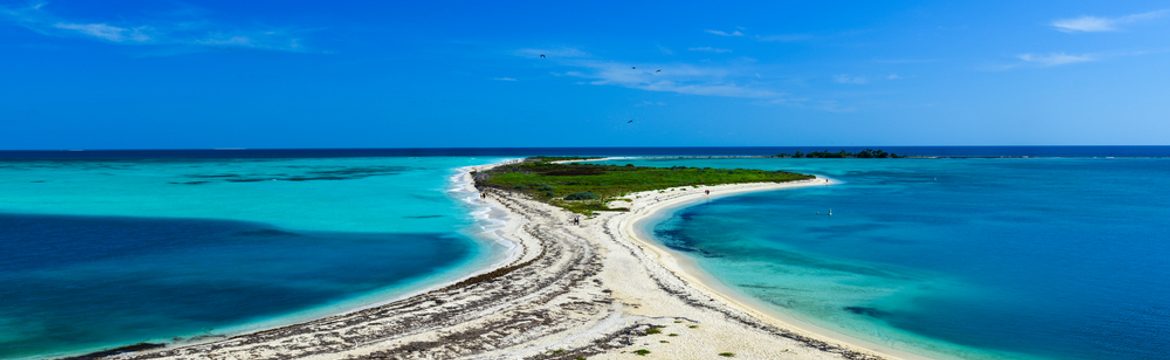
593, 290
686, 267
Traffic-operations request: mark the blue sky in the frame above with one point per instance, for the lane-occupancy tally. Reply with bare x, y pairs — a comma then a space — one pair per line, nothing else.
209, 74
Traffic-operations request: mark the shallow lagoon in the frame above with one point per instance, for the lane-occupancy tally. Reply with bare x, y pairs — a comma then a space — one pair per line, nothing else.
973, 258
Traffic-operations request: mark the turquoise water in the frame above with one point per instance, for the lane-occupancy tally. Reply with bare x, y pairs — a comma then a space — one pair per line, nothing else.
968, 258
103, 253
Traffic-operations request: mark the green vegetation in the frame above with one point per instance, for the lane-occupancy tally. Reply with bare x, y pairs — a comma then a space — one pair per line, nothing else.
563, 158
842, 154
642, 352
585, 188
586, 195
653, 330
693, 326
672, 334
727, 354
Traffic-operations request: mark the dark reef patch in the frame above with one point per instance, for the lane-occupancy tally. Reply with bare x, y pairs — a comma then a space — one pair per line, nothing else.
866, 311
196, 182
308, 173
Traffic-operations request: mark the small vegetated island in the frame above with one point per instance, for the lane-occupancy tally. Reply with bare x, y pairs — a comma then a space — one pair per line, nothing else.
841, 154
585, 188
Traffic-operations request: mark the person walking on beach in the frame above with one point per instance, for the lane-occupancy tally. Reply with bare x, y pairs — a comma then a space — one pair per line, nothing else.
708, 192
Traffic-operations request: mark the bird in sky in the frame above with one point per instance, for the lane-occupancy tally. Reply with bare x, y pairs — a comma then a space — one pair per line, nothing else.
658, 71
631, 121
633, 67
542, 56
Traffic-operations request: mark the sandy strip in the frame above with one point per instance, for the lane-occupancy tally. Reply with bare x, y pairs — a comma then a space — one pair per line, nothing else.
597, 290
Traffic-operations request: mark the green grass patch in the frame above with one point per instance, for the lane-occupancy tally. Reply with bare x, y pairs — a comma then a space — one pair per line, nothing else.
642, 352
727, 354
654, 330
587, 188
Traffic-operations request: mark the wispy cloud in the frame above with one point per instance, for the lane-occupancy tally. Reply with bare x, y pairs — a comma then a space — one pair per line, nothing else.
850, 79
724, 81
1056, 59
733, 33
505, 78
709, 49
674, 78
183, 32
738, 78
1104, 24
108, 32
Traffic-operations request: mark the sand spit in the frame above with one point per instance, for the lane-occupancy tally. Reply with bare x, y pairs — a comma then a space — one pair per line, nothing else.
595, 290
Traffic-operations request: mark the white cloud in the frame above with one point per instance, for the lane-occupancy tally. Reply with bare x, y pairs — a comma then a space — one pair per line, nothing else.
709, 49
850, 79
734, 33
674, 78
893, 77
738, 78
505, 78
1103, 24
107, 32
1056, 59
185, 32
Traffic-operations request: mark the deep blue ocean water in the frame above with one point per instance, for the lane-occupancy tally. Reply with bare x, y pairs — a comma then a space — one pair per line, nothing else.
1063, 258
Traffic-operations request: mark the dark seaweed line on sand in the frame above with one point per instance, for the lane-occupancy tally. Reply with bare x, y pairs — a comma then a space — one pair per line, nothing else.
690, 296
549, 274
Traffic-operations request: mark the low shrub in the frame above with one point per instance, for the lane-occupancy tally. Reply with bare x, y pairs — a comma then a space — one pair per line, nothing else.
584, 195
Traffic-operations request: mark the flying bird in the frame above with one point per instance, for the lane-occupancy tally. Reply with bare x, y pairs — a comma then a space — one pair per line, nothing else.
542, 56
633, 67
631, 121
658, 71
